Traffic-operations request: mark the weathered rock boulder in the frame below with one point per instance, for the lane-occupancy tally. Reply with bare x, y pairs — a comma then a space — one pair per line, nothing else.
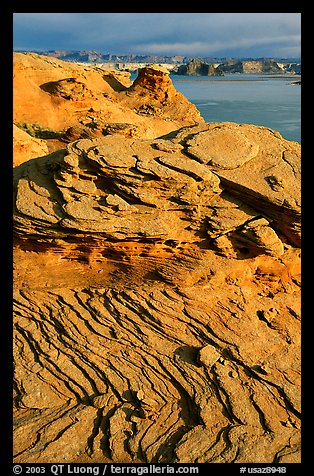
155, 79
157, 299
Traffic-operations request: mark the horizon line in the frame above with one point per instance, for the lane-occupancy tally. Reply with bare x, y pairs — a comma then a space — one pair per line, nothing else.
22, 50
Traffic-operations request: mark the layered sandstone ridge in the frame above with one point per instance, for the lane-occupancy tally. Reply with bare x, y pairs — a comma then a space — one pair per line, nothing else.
64, 101
157, 299
208, 185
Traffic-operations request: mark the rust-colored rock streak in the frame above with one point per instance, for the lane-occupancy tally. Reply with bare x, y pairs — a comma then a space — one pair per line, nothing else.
157, 299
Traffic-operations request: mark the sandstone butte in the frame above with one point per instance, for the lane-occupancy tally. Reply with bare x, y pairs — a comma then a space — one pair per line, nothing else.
156, 282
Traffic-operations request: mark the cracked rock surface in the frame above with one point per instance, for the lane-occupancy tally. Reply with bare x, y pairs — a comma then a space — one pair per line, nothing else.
157, 299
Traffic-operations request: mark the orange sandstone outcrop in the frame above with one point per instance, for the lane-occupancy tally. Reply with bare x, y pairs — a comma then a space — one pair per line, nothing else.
157, 298
67, 101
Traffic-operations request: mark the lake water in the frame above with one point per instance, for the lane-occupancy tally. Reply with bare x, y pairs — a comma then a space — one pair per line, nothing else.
248, 99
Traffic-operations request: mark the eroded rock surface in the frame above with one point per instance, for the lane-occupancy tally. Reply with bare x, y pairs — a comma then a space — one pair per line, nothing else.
157, 288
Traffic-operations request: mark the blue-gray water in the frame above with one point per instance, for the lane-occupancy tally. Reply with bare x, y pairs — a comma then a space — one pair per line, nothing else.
247, 99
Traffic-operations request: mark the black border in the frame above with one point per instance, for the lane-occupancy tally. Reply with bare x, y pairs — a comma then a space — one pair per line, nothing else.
6, 412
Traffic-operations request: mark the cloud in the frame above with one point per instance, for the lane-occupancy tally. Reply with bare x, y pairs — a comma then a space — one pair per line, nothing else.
223, 34
215, 47
160, 33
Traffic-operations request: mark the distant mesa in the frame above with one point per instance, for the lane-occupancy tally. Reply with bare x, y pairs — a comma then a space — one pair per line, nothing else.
177, 63
89, 56
251, 67
197, 67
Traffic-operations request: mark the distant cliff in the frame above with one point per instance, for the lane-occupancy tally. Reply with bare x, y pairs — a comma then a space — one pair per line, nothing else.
229, 65
90, 56
266, 66
197, 67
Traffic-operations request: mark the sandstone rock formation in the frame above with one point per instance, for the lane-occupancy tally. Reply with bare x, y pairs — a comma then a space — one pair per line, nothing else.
55, 96
157, 299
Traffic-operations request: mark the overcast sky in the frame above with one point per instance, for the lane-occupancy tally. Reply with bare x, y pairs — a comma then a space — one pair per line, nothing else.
188, 34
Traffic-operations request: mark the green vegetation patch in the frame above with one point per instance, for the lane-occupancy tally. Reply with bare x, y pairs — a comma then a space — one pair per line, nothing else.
36, 130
